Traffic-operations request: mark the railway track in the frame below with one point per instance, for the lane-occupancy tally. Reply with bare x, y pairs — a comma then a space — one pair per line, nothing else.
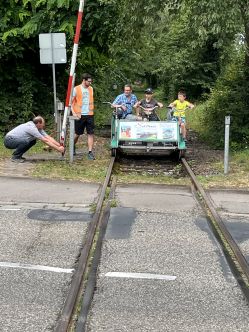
151, 166
90, 255
66, 315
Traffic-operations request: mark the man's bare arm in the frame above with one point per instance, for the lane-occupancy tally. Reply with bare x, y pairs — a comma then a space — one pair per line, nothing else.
48, 140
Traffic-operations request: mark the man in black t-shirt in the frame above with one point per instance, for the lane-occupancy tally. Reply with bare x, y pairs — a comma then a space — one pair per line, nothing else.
149, 103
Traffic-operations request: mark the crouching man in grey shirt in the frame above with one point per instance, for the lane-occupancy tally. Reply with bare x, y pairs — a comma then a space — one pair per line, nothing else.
24, 136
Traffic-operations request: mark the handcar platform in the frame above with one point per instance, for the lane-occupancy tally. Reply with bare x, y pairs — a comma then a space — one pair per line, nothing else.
162, 137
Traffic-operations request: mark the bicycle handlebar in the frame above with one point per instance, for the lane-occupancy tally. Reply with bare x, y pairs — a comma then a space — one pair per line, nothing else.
111, 104
148, 110
174, 109
107, 102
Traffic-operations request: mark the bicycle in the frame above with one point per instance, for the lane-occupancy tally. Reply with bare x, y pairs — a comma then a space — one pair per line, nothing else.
149, 114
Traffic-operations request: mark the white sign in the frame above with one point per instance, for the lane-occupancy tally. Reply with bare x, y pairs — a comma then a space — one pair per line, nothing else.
59, 40
148, 131
60, 56
52, 48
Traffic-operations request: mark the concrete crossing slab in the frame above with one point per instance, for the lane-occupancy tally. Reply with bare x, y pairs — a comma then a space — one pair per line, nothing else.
231, 201
155, 198
21, 190
233, 206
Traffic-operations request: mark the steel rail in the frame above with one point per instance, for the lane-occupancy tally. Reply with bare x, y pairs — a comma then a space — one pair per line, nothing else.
228, 237
92, 278
65, 318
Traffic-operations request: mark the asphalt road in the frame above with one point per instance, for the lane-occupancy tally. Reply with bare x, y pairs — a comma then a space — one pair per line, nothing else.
42, 227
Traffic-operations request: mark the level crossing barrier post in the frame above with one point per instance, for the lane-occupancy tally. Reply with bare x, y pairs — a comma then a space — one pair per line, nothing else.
60, 109
226, 148
71, 137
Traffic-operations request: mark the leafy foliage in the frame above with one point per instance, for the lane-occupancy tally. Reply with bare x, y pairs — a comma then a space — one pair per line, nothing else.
199, 45
27, 85
228, 97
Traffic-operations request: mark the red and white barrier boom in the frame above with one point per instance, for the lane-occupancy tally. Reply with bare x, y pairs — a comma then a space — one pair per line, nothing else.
72, 71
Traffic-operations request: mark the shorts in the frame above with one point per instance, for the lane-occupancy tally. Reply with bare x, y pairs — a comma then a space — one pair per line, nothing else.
86, 121
176, 119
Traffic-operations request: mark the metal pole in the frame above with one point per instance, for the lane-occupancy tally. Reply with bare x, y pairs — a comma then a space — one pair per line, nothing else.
71, 137
54, 88
59, 122
226, 149
60, 108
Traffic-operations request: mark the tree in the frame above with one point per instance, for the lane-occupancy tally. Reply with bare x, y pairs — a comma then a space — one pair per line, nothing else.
27, 85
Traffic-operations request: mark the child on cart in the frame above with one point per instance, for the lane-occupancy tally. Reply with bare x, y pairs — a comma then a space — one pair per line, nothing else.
179, 107
148, 105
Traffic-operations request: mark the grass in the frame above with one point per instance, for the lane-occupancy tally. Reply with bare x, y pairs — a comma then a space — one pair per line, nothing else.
84, 170
240, 160
237, 177
225, 181
81, 169
6, 153
146, 178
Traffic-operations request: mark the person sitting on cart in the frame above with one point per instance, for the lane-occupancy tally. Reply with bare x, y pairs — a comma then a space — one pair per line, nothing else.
149, 103
124, 104
179, 107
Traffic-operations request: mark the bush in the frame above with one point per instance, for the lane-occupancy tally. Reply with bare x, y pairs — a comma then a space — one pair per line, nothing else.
228, 97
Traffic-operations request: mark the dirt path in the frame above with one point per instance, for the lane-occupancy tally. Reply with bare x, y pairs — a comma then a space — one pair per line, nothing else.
9, 168
201, 157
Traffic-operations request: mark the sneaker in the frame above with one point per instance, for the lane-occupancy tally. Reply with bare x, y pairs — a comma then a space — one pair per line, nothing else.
18, 160
90, 156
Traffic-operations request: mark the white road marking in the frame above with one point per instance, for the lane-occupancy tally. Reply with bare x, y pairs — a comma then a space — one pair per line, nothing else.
35, 267
139, 275
234, 214
9, 209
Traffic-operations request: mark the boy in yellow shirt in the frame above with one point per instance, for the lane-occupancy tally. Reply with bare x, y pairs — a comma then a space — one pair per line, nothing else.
179, 107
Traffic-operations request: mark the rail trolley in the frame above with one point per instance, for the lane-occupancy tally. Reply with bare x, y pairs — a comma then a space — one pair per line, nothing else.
146, 137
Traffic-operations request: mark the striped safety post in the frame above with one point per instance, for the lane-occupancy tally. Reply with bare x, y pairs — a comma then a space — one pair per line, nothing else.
72, 71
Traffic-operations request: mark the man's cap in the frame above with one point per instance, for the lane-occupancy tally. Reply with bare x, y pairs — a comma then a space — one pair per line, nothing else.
149, 91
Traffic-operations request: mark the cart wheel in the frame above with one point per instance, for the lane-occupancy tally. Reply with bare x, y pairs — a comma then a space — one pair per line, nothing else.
114, 152
176, 155
181, 154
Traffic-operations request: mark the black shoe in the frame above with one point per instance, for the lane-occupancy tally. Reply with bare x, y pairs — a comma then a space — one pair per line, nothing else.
18, 160
90, 156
